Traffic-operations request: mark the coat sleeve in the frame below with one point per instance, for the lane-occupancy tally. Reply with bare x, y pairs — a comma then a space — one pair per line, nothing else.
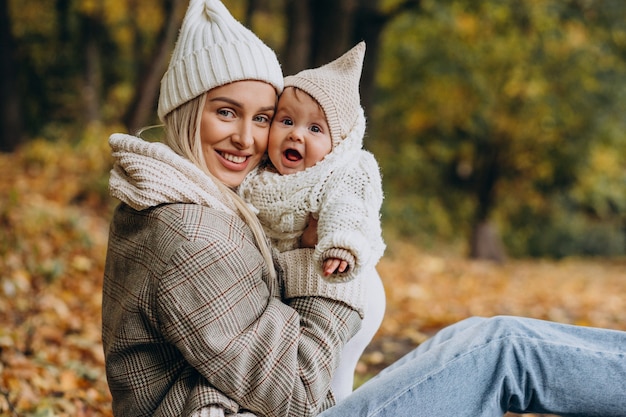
272, 357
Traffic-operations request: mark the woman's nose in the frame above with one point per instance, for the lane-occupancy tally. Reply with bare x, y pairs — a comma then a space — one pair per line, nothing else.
243, 138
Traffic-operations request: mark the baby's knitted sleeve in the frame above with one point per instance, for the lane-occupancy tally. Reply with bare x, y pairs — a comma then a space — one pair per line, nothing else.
349, 216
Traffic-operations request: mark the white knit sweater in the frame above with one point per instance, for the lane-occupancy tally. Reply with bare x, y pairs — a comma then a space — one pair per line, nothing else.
343, 191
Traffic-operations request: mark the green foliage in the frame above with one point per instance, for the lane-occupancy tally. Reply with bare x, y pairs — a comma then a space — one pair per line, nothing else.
54, 40
487, 106
567, 234
501, 109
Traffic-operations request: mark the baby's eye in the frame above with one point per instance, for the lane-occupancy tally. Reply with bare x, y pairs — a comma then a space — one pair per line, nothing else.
316, 129
287, 122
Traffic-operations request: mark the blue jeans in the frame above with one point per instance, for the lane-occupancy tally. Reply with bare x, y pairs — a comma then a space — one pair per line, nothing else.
486, 367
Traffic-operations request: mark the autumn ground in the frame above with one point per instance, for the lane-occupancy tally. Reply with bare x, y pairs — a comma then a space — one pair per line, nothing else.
53, 231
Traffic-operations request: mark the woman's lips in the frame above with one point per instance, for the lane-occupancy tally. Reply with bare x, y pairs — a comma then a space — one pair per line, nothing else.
234, 162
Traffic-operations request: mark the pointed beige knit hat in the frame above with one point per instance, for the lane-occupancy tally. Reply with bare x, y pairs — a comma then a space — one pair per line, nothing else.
335, 86
214, 49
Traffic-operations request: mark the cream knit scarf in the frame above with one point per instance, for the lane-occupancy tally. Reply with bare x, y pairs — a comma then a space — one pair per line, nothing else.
147, 174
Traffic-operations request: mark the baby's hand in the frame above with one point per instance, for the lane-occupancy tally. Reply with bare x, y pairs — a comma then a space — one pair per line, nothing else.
334, 266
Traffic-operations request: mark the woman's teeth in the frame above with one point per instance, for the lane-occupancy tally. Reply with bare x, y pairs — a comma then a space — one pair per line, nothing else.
234, 158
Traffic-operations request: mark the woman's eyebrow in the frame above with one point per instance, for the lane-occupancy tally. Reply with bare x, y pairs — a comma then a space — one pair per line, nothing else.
237, 104
228, 100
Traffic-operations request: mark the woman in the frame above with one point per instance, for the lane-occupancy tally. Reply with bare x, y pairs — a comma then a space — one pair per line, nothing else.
197, 321
193, 320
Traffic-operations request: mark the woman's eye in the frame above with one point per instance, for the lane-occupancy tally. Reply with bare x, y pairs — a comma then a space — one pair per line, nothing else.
262, 119
226, 113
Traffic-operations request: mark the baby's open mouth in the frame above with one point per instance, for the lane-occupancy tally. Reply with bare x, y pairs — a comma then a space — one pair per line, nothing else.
292, 155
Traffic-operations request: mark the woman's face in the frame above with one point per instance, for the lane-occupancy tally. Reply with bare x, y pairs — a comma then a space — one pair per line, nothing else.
234, 128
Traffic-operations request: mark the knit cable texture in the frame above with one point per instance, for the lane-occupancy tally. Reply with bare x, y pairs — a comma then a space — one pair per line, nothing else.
214, 49
147, 174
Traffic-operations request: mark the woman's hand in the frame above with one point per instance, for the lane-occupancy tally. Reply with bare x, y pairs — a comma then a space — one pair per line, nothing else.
309, 236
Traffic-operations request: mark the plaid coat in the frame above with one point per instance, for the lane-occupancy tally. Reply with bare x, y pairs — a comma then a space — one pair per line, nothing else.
192, 318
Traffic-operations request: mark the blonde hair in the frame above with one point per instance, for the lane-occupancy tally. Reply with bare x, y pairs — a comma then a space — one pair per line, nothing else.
182, 134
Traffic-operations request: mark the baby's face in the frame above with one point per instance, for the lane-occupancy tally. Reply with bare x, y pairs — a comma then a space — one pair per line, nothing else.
299, 135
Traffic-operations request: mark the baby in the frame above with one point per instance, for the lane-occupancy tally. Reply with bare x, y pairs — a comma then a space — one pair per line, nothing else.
317, 168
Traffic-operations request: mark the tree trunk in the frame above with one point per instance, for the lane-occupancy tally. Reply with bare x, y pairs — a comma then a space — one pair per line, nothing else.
150, 73
320, 31
10, 102
485, 242
369, 23
297, 52
92, 72
332, 23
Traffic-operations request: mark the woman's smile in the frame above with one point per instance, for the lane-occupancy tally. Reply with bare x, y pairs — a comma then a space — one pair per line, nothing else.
235, 159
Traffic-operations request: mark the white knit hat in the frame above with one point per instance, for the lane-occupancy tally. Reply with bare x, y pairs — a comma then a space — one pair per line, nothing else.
214, 49
335, 86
